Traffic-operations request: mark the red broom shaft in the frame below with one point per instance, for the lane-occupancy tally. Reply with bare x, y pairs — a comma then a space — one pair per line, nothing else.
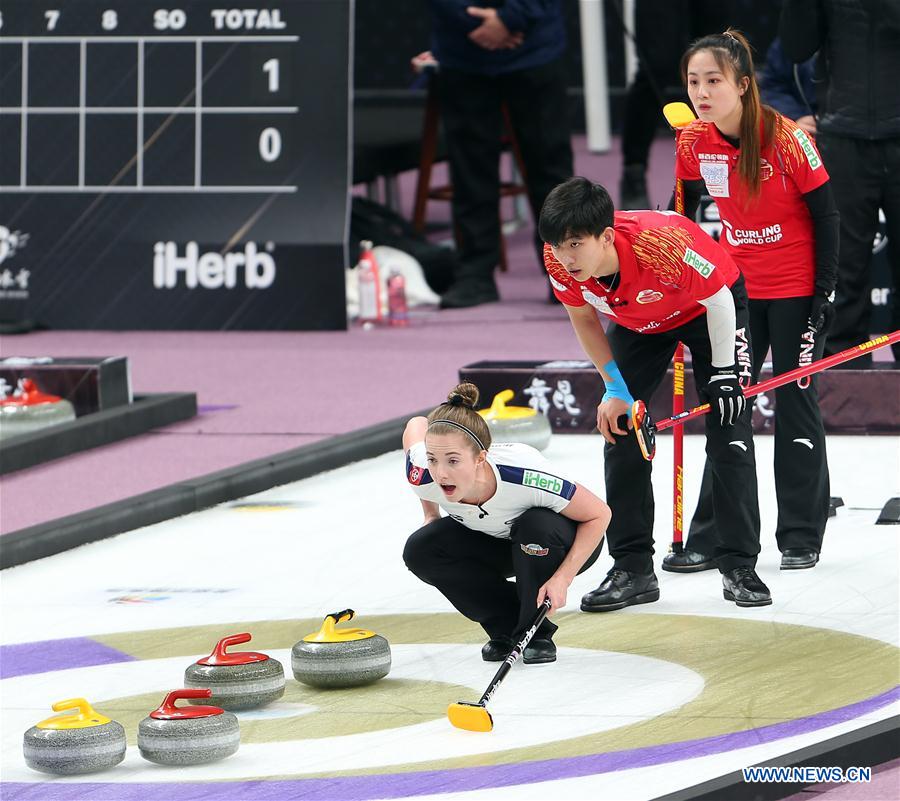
678, 398
678, 446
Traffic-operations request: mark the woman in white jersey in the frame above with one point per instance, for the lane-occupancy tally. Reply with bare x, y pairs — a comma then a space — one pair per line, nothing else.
509, 513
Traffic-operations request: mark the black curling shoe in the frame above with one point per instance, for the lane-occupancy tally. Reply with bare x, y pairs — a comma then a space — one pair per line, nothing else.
798, 558
745, 588
619, 589
687, 561
496, 649
539, 651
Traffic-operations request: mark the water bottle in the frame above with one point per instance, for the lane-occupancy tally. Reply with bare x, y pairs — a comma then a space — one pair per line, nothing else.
369, 285
397, 311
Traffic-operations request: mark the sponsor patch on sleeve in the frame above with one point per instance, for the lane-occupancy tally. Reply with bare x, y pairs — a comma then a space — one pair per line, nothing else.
695, 260
415, 474
808, 150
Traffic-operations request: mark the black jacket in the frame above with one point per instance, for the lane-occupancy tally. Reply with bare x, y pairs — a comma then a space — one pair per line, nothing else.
541, 21
858, 64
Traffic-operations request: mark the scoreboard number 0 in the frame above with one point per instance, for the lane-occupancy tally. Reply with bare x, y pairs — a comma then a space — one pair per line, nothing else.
270, 144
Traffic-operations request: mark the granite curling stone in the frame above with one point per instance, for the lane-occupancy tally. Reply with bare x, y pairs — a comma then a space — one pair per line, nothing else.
28, 410
340, 657
84, 742
190, 735
238, 680
516, 423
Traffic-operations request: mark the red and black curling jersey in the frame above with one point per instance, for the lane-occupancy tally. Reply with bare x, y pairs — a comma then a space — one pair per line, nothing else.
667, 264
770, 237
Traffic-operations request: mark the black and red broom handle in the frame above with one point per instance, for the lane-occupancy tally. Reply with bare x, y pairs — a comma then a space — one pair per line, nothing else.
792, 375
516, 652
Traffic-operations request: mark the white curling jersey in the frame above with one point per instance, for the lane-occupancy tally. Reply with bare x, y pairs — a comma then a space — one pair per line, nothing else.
525, 479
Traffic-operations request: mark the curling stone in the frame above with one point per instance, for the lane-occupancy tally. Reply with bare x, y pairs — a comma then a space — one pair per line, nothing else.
516, 423
28, 409
190, 735
340, 657
83, 742
239, 680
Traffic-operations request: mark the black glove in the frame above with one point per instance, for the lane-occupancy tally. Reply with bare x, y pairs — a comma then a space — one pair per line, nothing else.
726, 397
821, 313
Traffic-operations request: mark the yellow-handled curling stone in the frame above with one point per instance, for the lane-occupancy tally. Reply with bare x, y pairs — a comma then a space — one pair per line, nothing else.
239, 679
516, 423
333, 657
81, 742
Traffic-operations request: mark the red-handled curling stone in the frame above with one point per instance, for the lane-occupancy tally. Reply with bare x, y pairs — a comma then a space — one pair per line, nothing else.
28, 409
239, 679
188, 735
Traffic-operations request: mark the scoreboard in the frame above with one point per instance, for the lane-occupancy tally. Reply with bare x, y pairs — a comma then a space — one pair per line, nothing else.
178, 165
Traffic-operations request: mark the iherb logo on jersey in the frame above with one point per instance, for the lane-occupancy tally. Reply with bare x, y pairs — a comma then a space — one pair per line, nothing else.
811, 156
542, 481
697, 261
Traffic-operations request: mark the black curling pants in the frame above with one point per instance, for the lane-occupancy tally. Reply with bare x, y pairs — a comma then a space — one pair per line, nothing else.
471, 113
802, 485
643, 360
663, 31
471, 568
865, 175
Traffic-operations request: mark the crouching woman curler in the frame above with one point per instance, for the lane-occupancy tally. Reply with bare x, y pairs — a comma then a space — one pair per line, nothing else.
509, 513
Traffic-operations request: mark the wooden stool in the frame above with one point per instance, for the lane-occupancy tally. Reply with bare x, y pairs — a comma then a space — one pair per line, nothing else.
424, 190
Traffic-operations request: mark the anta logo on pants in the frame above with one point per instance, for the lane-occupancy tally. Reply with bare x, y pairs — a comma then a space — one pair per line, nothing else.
211, 270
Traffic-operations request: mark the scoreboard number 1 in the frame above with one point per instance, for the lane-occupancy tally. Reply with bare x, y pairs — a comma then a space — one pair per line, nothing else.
271, 68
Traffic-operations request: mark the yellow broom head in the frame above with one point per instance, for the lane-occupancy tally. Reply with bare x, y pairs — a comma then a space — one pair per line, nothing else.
678, 114
472, 717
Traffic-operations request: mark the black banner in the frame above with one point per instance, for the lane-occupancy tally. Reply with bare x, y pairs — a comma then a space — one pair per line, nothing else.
174, 168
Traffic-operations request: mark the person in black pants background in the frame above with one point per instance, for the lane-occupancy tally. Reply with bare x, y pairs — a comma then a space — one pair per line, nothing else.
490, 53
859, 139
662, 30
